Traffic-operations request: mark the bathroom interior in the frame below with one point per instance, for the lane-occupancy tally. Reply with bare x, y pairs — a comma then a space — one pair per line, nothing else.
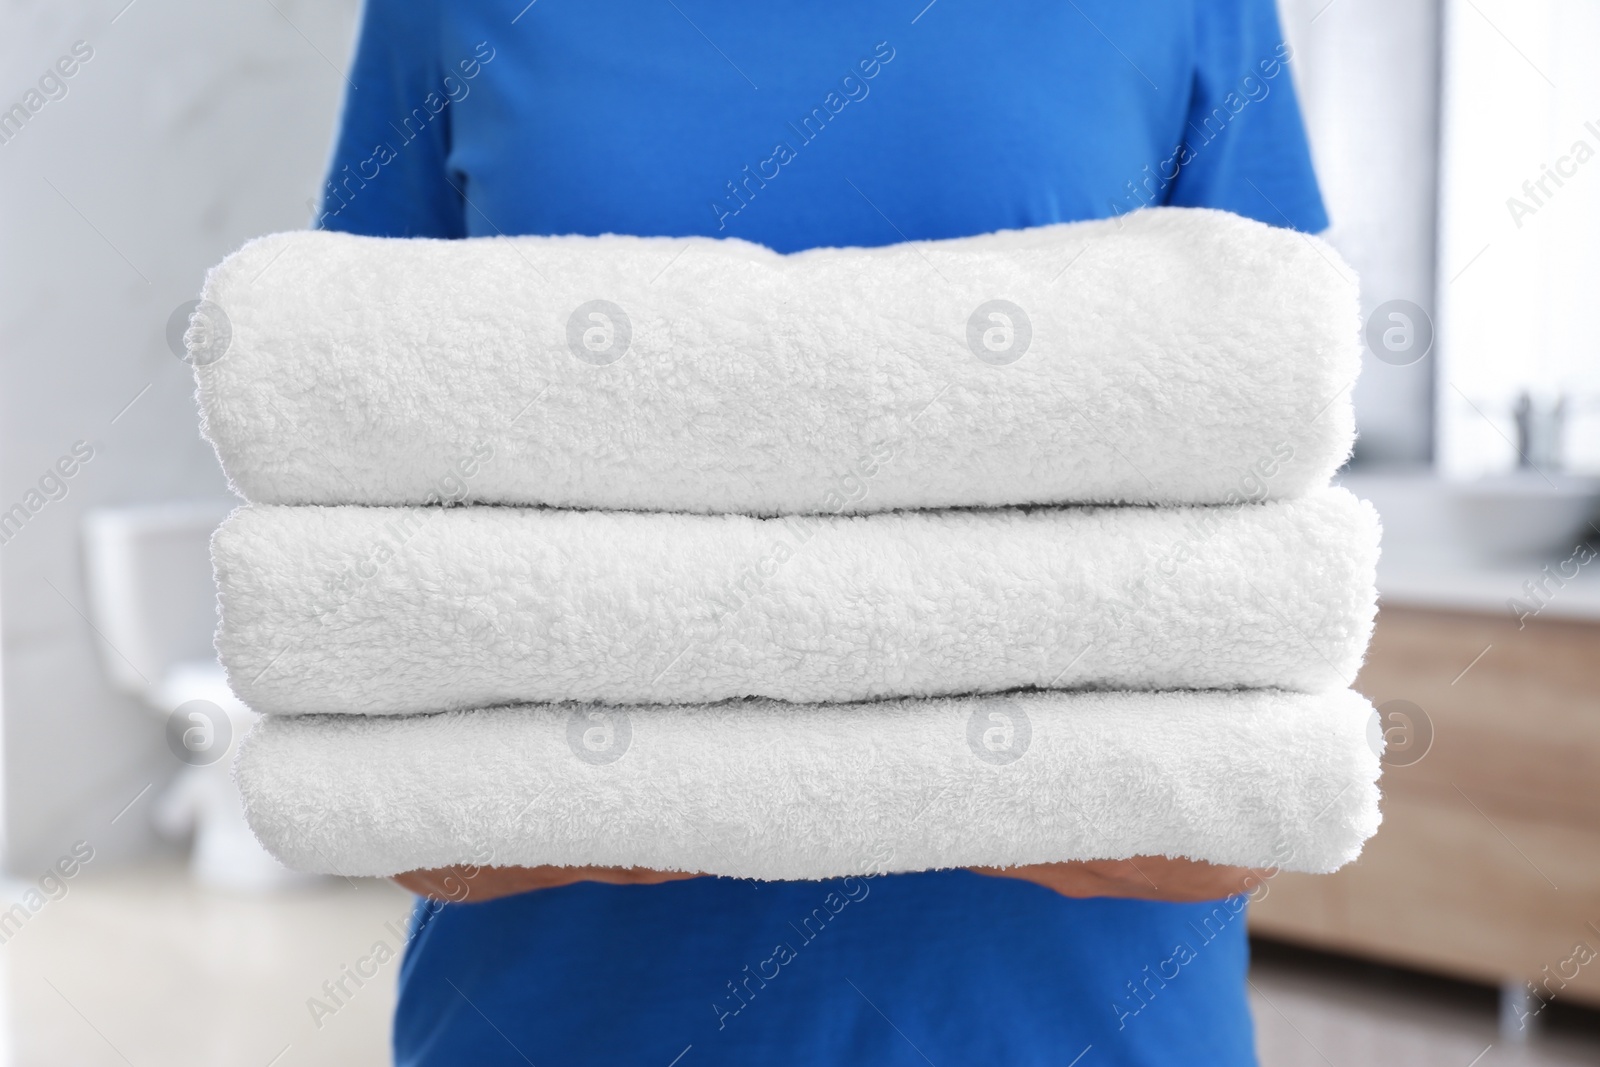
1455, 142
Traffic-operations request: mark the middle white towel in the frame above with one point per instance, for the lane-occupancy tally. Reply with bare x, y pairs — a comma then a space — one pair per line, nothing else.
406, 610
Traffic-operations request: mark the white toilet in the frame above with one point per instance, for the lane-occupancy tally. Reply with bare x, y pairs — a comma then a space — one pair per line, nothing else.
153, 601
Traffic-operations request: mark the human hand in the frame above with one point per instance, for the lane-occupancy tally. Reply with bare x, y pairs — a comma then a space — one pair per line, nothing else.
1143, 877
466, 884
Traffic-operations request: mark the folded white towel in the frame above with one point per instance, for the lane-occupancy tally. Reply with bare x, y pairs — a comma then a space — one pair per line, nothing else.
388, 610
1169, 356
760, 790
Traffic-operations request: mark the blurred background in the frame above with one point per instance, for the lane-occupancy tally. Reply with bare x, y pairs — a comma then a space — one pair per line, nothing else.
142, 140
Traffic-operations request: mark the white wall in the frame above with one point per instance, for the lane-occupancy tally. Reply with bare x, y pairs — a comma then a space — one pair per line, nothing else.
1520, 227
1368, 72
192, 127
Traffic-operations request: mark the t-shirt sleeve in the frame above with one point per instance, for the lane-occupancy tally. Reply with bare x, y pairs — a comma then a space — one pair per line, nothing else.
1245, 147
387, 176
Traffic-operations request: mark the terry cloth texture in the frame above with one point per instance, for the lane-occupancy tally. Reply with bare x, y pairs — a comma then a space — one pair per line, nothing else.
756, 789
1171, 356
393, 610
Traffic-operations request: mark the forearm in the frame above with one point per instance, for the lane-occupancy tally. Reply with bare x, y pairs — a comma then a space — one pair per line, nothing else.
464, 884
1144, 877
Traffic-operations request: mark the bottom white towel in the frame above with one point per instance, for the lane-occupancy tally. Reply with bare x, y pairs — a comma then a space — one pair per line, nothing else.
764, 789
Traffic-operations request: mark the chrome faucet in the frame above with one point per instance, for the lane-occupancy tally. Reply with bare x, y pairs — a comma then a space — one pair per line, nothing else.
1539, 432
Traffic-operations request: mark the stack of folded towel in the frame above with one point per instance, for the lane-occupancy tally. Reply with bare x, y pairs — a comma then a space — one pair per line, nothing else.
687, 555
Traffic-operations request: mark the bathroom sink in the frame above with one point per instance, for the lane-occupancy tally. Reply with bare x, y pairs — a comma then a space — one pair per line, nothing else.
1499, 518
1523, 514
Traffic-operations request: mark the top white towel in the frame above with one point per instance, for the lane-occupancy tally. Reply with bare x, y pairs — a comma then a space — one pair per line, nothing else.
1170, 356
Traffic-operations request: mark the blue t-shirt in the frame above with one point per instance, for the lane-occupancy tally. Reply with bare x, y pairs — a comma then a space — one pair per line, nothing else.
799, 123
